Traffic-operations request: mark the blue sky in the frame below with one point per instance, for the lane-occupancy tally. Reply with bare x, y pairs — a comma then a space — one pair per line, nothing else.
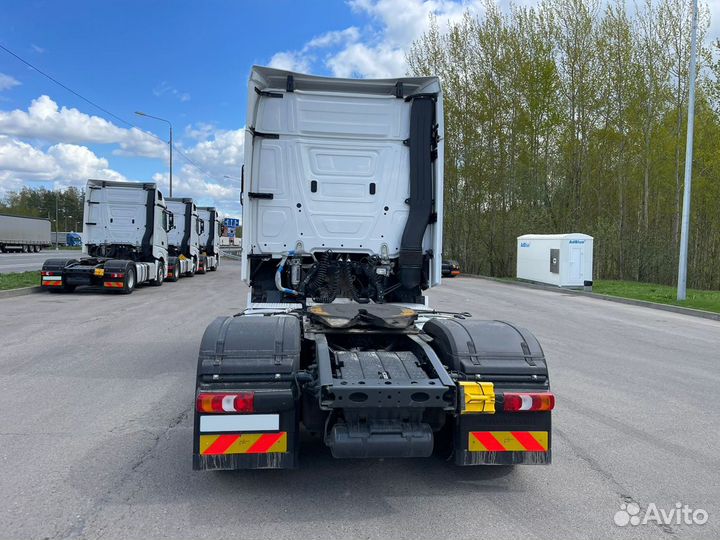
181, 60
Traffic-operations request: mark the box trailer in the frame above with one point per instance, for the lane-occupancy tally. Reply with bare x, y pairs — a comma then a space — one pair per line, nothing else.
183, 246
23, 234
565, 260
125, 240
209, 238
342, 234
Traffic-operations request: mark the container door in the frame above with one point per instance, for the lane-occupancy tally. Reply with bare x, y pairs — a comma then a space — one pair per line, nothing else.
576, 264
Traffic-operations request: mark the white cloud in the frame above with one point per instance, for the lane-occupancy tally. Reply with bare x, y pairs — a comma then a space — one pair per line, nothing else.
291, 61
303, 59
42, 145
62, 164
379, 49
8, 81
220, 154
46, 121
166, 88
376, 62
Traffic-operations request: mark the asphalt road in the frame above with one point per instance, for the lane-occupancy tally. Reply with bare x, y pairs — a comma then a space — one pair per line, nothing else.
95, 432
25, 262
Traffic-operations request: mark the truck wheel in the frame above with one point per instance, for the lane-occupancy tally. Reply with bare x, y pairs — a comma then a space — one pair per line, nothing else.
214, 267
176, 272
130, 282
160, 277
23, 249
202, 266
193, 268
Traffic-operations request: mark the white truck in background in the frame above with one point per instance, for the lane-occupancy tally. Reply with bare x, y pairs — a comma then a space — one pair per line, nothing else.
183, 247
125, 240
23, 234
209, 238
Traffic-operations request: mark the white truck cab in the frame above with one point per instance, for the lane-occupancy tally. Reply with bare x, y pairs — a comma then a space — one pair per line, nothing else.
342, 188
183, 238
209, 239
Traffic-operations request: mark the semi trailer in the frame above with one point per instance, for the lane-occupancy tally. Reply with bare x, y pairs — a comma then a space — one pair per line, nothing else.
125, 240
23, 234
183, 247
209, 238
342, 236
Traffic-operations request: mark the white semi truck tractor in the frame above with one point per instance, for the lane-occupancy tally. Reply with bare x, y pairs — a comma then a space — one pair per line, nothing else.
125, 240
342, 235
209, 238
183, 247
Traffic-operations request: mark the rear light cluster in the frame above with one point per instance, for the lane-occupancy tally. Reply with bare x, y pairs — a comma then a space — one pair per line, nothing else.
115, 275
242, 402
46, 273
515, 402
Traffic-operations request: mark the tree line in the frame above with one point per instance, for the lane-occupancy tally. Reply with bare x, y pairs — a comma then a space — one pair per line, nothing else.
570, 117
43, 203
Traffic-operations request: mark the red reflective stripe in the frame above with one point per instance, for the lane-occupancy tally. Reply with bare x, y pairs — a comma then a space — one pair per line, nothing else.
221, 444
488, 440
528, 441
264, 443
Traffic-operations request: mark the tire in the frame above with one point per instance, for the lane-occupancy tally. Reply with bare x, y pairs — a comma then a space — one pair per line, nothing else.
217, 263
204, 268
193, 268
160, 276
130, 280
176, 274
23, 249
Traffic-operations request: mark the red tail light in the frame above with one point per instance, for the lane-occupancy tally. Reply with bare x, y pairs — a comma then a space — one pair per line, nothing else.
46, 273
115, 275
243, 402
535, 401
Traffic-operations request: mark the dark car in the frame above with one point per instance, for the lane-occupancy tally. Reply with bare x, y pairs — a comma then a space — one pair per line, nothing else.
450, 268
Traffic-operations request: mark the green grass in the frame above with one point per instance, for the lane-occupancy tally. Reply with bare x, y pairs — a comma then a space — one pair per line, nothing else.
662, 294
16, 280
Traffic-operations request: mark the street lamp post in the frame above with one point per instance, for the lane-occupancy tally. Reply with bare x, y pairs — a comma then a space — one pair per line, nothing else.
139, 113
685, 224
57, 238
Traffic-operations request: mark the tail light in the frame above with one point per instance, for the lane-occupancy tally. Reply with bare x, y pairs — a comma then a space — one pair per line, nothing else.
116, 275
46, 273
243, 402
536, 401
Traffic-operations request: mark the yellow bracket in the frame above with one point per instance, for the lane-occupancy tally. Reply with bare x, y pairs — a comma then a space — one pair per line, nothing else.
99, 271
477, 397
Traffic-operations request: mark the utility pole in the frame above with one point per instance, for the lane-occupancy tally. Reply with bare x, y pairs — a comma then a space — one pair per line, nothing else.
685, 227
139, 113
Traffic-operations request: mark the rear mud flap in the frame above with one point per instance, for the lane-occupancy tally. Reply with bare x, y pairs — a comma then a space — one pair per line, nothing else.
503, 439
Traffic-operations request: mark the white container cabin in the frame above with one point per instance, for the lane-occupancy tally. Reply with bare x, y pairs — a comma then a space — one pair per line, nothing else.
564, 260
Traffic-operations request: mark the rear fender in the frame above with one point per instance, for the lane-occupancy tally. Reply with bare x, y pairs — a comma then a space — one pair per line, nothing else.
241, 355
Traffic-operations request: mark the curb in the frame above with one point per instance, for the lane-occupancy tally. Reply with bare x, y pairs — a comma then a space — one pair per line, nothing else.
618, 299
22, 291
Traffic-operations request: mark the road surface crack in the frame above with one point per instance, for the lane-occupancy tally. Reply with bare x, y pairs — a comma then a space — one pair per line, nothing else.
595, 466
78, 528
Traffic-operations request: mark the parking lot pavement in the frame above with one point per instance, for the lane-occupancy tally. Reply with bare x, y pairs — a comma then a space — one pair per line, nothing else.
97, 391
25, 262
